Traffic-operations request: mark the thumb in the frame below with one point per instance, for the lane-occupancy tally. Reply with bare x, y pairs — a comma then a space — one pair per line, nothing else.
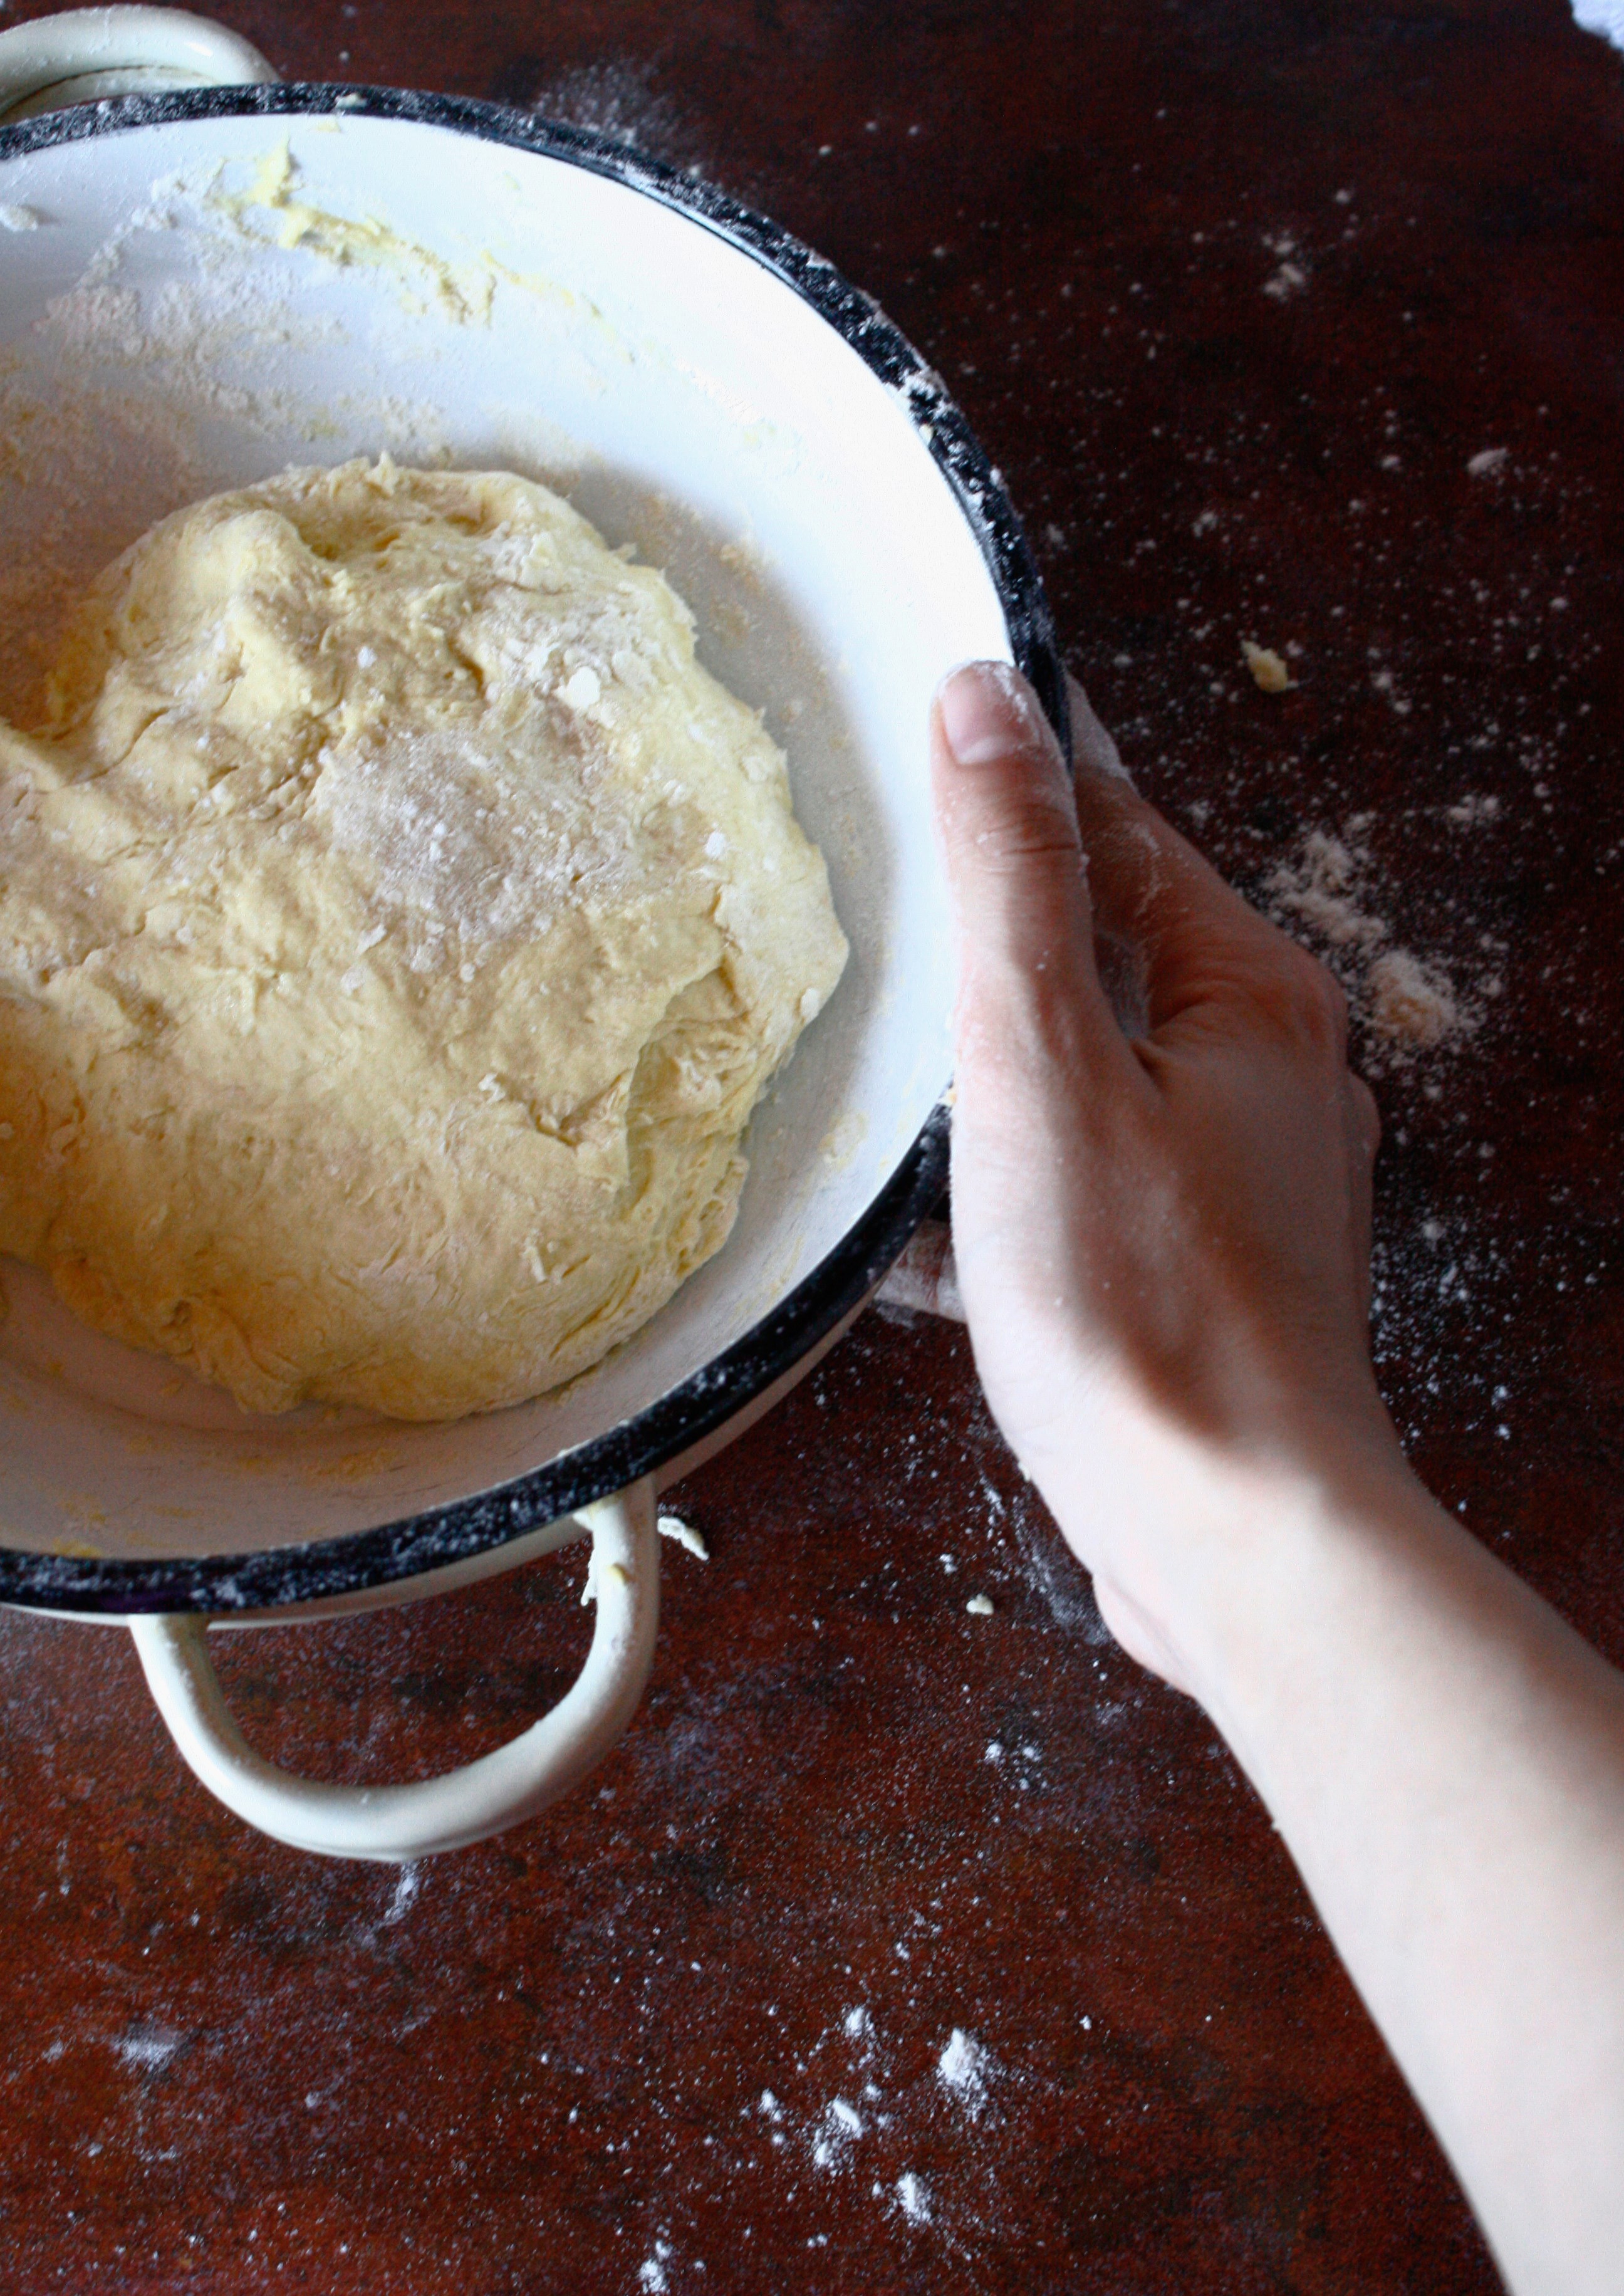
1006, 824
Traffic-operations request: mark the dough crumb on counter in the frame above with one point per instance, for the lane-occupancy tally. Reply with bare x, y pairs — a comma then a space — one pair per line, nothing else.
683, 1534
1269, 670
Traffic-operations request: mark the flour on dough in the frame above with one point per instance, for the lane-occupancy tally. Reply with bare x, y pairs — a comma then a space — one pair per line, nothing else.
398, 926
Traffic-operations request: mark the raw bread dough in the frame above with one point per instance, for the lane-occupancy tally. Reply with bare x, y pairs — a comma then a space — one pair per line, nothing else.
396, 928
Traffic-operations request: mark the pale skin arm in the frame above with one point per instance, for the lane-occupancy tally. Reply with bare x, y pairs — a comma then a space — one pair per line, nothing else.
1163, 1244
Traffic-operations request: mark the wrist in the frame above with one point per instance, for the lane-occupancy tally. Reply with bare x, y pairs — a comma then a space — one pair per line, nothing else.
1299, 1576
1201, 1544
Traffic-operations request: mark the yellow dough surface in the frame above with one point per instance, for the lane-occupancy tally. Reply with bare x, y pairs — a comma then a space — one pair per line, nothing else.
398, 926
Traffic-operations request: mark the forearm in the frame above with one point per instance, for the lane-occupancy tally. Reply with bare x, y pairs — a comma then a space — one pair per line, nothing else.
1445, 1760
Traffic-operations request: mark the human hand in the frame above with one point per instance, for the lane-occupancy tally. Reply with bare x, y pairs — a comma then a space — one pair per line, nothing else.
1162, 1238
1161, 1234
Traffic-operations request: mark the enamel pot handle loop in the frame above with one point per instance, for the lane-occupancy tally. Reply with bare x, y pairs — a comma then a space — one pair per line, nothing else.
91, 52
396, 1824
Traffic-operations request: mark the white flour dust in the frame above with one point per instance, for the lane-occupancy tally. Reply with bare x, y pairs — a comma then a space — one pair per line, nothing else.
1406, 1004
409, 1884
149, 2047
457, 838
118, 404
964, 2070
913, 2198
1290, 274
621, 100
653, 2277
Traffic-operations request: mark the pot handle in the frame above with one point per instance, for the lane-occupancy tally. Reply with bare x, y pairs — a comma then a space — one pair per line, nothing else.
396, 1824
88, 53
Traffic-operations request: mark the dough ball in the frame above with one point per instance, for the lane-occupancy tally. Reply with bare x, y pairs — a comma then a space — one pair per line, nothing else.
397, 927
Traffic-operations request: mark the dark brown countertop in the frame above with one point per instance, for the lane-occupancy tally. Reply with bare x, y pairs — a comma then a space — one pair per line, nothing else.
1235, 294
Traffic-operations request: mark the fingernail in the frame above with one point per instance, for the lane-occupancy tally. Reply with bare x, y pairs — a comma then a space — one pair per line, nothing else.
988, 709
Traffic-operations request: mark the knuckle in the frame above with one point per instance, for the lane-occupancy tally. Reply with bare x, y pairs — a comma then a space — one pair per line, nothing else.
1306, 999
1030, 831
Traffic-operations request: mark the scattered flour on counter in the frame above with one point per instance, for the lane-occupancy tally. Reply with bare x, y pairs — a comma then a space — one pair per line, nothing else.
913, 2198
1290, 274
148, 2048
841, 2126
1048, 1564
963, 2069
621, 101
1406, 1004
1472, 811
1318, 886
409, 1884
856, 2125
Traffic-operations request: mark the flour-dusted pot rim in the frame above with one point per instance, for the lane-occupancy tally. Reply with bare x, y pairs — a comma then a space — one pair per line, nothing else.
426, 1543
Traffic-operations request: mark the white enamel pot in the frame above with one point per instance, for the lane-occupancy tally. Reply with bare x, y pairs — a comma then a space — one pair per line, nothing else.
450, 281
